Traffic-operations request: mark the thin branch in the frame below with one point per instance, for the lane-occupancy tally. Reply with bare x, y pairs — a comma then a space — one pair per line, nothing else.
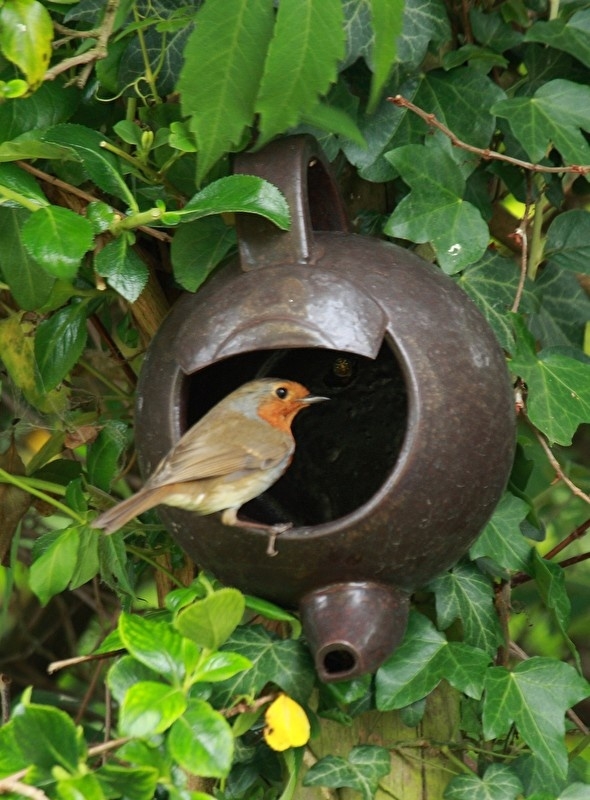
23, 789
4, 698
485, 153
521, 233
577, 533
575, 490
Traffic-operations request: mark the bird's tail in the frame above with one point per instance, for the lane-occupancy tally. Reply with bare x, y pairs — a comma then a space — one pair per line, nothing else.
117, 516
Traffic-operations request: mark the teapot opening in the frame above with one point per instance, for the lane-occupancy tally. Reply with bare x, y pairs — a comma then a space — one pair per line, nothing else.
345, 449
338, 663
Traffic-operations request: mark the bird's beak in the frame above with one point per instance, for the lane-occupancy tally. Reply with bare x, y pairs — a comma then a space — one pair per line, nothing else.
313, 398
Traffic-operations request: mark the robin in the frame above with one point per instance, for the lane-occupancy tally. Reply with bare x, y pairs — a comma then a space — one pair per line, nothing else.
234, 453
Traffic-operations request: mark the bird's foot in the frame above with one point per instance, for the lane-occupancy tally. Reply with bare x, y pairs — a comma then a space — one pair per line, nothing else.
275, 531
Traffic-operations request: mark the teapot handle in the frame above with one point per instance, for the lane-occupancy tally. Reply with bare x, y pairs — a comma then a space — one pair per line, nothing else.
299, 169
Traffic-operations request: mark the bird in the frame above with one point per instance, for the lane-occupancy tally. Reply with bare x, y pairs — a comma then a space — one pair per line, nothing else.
230, 456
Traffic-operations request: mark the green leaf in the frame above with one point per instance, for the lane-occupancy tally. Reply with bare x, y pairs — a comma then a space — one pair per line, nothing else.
220, 667
157, 645
46, 737
149, 708
387, 22
114, 565
201, 741
11, 758
534, 697
26, 33
498, 783
435, 211
133, 783
246, 193
197, 248
59, 343
271, 611
362, 770
53, 570
465, 593
502, 540
570, 35
29, 284
57, 239
15, 178
334, 121
554, 115
492, 284
101, 165
550, 580
227, 49
125, 673
558, 387
210, 621
302, 59
425, 24
424, 659
124, 270
104, 453
560, 306
568, 241
286, 663
74, 787
87, 564
51, 104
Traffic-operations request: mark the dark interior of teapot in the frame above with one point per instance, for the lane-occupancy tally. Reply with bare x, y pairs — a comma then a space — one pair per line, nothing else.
345, 448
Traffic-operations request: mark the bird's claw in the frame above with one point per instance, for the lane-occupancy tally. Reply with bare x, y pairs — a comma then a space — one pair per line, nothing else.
275, 531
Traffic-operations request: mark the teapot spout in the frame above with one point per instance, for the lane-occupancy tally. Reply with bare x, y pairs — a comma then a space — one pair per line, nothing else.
351, 628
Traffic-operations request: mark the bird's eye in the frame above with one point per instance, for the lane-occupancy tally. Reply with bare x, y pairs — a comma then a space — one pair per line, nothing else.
281, 392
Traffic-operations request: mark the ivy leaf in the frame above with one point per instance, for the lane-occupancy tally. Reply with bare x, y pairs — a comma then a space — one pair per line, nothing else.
387, 22
554, 115
59, 343
362, 770
550, 580
57, 239
568, 243
284, 662
499, 782
101, 165
237, 193
435, 211
302, 59
534, 697
150, 707
465, 593
122, 267
156, 644
558, 386
52, 571
492, 284
560, 308
569, 35
210, 621
227, 49
104, 453
201, 741
425, 23
502, 540
197, 248
26, 33
424, 659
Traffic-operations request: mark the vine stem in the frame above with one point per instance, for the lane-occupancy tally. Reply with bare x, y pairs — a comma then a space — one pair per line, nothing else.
26, 485
485, 153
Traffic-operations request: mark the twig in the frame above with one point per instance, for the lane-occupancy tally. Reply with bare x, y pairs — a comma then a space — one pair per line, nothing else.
521, 233
575, 490
577, 533
485, 153
4, 698
23, 789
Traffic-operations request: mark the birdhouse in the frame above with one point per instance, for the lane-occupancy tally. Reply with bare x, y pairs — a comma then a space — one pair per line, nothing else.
392, 479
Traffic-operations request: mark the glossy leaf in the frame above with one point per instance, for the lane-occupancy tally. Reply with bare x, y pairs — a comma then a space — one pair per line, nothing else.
26, 33
197, 248
553, 115
499, 782
53, 570
59, 342
570, 35
15, 178
46, 737
156, 644
201, 741
210, 621
424, 659
502, 540
123, 268
307, 43
465, 593
435, 210
238, 193
220, 666
534, 697
568, 241
558, 387
114, 565
51, 104
362, 770
228, 46
150, 707
387, 20
57, 239
104, 453
125, 673
29, 284
134, 783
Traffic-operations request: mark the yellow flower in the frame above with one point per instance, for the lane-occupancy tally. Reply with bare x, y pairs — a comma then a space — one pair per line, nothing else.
286, 724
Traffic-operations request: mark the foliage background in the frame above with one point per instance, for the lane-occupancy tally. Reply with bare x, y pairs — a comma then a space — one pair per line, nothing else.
117, 125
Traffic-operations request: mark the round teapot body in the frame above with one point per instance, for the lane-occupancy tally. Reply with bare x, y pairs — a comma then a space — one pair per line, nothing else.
395, 477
